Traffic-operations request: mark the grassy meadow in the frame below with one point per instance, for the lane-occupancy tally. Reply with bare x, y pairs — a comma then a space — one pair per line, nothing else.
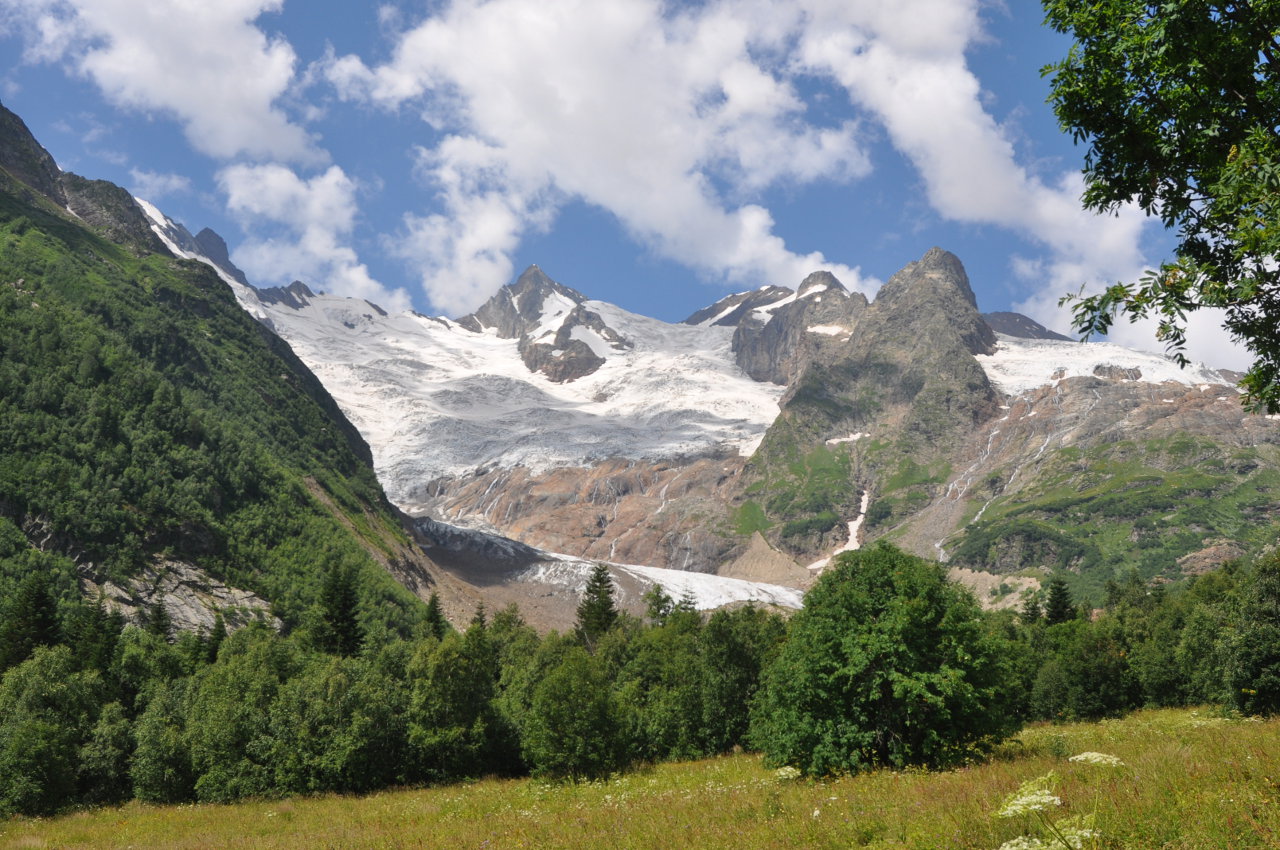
1188, 780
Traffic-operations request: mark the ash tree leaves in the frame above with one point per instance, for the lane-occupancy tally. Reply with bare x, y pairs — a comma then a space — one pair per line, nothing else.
887, 665
1177, 103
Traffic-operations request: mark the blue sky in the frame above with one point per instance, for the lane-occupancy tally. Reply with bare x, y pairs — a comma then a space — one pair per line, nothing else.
654, 155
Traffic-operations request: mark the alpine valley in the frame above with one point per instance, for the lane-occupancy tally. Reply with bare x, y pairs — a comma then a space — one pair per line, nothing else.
726, 458
776, 428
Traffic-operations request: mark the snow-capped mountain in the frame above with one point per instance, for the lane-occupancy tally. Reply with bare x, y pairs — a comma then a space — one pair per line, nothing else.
769, 431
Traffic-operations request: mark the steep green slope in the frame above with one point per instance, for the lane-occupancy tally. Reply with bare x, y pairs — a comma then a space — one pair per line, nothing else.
144, 415
1102, 511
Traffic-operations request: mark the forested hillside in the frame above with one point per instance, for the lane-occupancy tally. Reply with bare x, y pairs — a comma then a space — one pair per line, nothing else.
149, 428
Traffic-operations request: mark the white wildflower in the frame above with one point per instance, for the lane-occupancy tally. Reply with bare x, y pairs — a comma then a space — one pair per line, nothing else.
784, 774
1034, 795
1025, 842
1097, 758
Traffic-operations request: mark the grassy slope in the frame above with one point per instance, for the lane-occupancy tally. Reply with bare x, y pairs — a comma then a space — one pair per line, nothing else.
1126, 505
1189, 781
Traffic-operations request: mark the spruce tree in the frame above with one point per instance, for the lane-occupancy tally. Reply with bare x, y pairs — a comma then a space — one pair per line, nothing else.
596, 612
338, 603
1059, 607
437, 625
30, 620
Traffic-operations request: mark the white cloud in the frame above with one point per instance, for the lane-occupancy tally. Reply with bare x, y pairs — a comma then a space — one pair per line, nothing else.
152, 184
204, 63
618, 105
301, 228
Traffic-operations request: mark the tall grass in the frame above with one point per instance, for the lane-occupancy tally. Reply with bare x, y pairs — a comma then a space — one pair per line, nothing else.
1189, 780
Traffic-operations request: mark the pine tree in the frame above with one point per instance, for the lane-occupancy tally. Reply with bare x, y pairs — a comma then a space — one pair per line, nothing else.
30, 620
1031, 612
338, 604
158, 621
596, 612
437, 625
1059, 607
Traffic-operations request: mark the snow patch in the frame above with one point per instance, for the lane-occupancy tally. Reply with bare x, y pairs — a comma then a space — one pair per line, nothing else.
853, 544
852, 438
827, 330
1021, 365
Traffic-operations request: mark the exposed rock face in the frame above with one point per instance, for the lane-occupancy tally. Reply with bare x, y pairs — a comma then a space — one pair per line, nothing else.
558, 336
211, 245
1117, 373
23, 157
1124, 453
902, 387
665, 514
1018, 325
191, 597
732, 310
775, 346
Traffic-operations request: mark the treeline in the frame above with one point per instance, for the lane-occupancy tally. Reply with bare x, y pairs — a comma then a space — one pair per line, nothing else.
99, 714
888, 664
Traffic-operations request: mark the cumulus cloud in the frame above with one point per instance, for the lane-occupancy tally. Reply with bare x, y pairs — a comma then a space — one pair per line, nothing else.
301, 228
205, 64
670, 122
152, 184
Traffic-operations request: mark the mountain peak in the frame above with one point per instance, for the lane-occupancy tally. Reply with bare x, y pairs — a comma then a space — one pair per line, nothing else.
939, 270
820, 280
522, 305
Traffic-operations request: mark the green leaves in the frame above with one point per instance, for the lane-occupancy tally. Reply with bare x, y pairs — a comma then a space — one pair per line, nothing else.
887, 665
1178, 103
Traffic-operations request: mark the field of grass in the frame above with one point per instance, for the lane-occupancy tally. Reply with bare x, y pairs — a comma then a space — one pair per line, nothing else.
1188, 780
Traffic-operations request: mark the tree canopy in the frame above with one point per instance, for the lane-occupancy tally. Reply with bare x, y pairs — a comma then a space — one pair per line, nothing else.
1179, 105
887, 664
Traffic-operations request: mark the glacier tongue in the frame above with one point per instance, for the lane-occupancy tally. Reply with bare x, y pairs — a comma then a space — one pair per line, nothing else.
434, 399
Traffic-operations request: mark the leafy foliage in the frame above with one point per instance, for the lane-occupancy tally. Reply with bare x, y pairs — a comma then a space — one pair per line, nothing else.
1177, 103
888, 664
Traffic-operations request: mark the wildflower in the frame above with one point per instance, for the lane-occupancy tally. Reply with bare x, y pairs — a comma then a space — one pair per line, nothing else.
1025, 842
1097, 758
784, 774
1034, 795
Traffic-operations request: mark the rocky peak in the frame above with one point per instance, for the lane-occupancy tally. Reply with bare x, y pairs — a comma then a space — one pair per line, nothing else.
104, 206
1018, 325
213, 247
775, 343
820, 281
26, 161
732, 310
522, 306
935, 290
296, 295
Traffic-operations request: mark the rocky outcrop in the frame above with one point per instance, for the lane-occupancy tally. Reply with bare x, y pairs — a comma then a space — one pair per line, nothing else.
776, 346
1018, 325
191, 597
210, 244
660, 514
732, 310
558, 336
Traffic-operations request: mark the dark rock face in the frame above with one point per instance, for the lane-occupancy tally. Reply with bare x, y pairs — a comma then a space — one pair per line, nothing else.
1118, 373
213, 246
518, 308
551, 324
732, 310
1023, 327
296, 295
822, 315
23, 157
